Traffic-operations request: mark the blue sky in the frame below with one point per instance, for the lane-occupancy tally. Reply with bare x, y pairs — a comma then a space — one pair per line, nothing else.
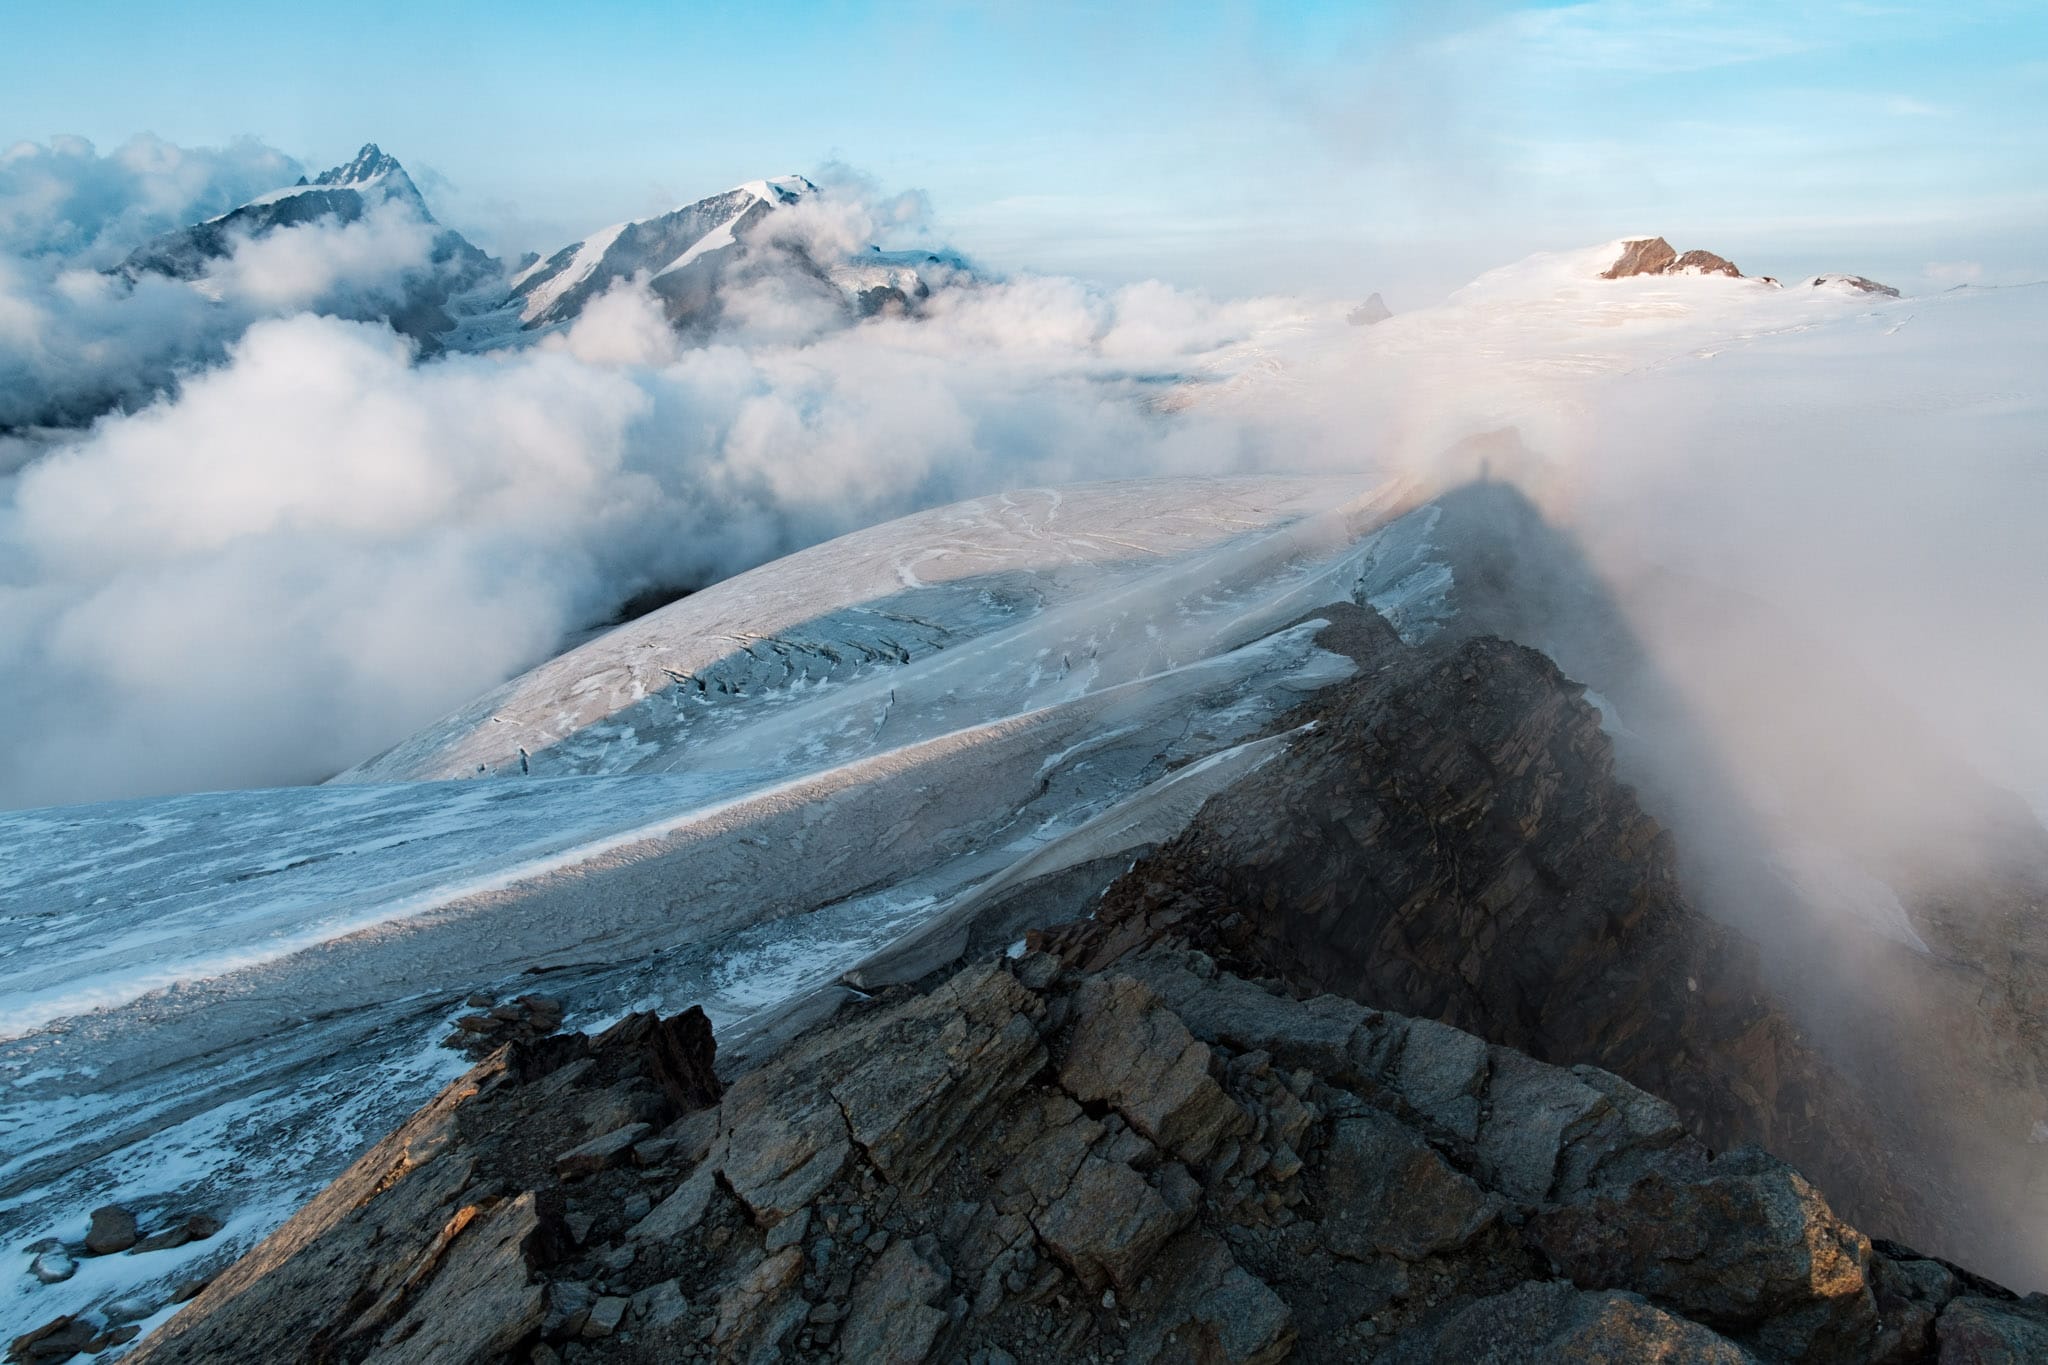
1242, 148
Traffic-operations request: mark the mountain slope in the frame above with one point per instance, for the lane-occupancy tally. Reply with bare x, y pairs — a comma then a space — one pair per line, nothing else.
1158, 1163
372, 182
556, 289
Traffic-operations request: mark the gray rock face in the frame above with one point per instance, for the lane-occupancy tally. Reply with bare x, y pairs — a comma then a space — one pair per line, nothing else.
1451, 842
1978, 1331
1129, 1049
1747, 1246
1160, 1162
894, 1318
1552, 1322
1402, 1198
1856, 282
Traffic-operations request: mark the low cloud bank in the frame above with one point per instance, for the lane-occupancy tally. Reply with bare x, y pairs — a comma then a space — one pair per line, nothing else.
321, 545
76, 341
64, 198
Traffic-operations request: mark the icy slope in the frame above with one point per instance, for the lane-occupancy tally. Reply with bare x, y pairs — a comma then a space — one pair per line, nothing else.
217, 999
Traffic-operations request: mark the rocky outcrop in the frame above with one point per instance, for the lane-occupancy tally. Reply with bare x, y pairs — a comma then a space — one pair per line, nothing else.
1703, 263
1644, 256
1449, 840
1855, 282
495, 1023
1373, 310
1655, 256
1155, 1162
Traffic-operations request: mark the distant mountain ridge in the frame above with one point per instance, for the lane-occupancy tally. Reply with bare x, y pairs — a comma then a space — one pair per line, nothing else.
555, 290
341, 195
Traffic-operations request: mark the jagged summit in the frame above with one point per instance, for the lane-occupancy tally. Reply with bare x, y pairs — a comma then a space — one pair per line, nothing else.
341, 195
691, 255
371, 163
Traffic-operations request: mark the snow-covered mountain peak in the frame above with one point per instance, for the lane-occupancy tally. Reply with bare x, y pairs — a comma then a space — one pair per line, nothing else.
371, 163
554, 290
778, 190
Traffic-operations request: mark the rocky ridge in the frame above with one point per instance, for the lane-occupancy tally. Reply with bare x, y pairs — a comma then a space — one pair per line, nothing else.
1159, 1161
1655, 256
339, 196
1449, 840
1192, 1129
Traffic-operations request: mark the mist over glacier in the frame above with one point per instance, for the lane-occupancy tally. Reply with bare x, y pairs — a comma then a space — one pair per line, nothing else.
315, 542
322, 544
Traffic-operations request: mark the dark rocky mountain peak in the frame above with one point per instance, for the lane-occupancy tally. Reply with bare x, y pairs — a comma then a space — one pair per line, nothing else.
370, 163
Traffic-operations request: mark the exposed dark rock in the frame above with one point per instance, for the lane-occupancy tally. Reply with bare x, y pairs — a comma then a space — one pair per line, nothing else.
1450, 841
894, 1318
684, 1058
528, 1019
58, 1339
113, 1229
1703, 263
1166, 1142
1373, 310
1976, 1331
610, 1149
1159, 1162
1655, 256
1644, 256
1553, 1322
1856, 282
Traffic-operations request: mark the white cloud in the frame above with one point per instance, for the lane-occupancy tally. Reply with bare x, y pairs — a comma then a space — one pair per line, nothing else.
62, 197
322, 545
75, 341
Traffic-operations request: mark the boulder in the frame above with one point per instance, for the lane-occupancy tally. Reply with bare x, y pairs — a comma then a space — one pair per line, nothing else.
680, 1213
1130, 1051
683, 1057
113, 1229
1109, 1223
53, 1266
1442, 1072
747, 1308
918, 1082
1983, 1331
1749, 1248
780, 1148
1197, 1303
58, 1339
